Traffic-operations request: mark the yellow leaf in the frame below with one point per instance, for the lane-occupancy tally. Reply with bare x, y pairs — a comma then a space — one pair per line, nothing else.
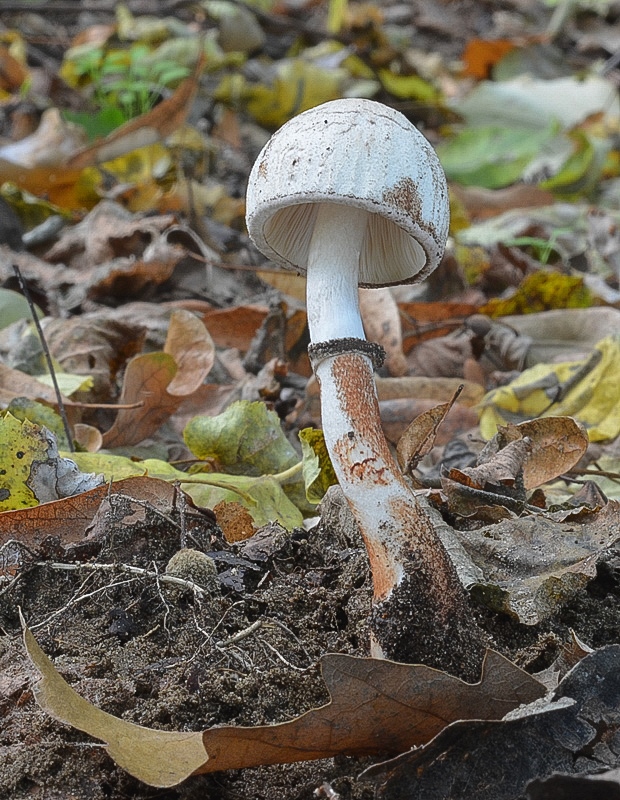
586, 390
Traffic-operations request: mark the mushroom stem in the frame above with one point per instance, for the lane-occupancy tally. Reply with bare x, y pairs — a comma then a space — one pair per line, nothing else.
333, 267
420, 609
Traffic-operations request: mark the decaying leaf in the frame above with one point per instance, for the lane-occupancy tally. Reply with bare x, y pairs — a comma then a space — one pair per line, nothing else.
192, 348
69, 518
419, 438
108, 232
533, 565
563, 334
498, 759
602, 786
365, 717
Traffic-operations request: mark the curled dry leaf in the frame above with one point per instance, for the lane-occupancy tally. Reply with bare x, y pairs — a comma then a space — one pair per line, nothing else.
519, 457
567, 333
396, 416
419, 438
159, 382
377, 707
556, 445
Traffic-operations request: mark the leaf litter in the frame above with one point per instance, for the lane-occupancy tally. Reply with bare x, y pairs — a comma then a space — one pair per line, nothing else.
175, 601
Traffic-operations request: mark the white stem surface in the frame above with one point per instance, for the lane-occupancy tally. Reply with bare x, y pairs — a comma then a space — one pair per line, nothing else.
333, 270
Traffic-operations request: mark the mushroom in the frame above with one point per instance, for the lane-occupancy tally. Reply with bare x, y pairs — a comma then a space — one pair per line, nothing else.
352, 194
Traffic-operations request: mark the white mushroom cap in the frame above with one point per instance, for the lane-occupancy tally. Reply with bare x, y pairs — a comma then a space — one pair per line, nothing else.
357, 153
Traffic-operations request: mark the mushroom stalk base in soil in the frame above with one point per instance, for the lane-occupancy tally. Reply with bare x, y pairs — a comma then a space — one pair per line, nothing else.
420, 610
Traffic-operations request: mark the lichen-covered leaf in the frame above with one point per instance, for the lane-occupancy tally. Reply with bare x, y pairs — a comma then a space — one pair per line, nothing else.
31, 469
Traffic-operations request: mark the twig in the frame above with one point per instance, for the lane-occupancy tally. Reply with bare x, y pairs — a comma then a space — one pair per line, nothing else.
48, 357
127, 568
241, 634
281, 657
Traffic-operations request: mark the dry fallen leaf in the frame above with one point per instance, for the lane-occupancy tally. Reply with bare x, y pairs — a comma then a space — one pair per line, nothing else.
557, 444
533, 565
191, 346
108, 232
235, 327
14, 383
419, 438
397, 415
155, 384
69, 518
519, 457
48, 146
377, 707
497, 760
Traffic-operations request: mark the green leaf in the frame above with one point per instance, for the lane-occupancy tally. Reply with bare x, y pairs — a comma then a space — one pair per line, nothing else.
14, 306
99, 124
491, 157
581, 172
247, 439
318, 470
408, 87
263, 497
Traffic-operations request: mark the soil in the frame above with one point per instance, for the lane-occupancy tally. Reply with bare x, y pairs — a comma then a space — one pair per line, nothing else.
157, 654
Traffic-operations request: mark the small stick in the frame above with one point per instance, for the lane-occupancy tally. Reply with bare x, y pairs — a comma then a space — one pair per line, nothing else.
48, 357
127, 568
